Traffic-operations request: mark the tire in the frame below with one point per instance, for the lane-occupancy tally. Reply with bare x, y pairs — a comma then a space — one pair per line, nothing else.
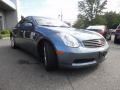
50, 58
13, 44
115, 40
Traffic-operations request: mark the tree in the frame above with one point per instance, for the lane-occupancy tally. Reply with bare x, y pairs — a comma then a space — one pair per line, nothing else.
99, 20
112, 19
81, 22
91, 8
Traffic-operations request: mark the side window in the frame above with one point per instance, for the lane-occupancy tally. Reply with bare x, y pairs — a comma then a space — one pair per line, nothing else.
27, 24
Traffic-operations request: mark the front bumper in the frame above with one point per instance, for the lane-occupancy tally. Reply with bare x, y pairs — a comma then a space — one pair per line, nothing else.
80, 59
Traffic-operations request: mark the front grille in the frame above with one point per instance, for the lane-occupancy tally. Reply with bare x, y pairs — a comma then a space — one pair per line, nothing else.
94, 43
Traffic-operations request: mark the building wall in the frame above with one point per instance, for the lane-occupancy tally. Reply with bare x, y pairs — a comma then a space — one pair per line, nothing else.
18, 10
3, 18
11, 17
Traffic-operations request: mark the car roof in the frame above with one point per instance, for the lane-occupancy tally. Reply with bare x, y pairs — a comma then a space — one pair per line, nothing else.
96, 27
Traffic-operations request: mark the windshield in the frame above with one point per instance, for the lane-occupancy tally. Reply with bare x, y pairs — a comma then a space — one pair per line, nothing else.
50, 22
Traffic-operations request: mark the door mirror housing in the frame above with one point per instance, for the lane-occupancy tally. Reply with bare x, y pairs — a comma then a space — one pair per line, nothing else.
27, 26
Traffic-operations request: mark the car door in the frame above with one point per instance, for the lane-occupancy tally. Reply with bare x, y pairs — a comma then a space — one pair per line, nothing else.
18, 34
28, 36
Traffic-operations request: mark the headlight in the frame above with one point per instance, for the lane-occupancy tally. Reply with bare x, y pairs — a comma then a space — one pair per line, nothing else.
69, 40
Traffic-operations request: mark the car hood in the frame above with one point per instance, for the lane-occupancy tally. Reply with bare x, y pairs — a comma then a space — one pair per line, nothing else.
80, 34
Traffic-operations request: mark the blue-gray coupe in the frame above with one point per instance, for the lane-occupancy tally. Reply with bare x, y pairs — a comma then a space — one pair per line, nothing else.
57, 44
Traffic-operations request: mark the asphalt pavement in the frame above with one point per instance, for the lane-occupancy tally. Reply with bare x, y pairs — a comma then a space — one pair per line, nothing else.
21, 71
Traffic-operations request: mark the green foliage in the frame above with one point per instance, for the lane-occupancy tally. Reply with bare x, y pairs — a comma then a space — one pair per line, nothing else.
91, 8
90, 13
0, 36
99, 20
6, 31
82, 22
112, 19
5, 35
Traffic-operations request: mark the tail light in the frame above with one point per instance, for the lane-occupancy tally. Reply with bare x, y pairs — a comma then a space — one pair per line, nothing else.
118, 30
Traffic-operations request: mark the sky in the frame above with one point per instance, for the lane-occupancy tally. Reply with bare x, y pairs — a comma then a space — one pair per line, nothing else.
53, 8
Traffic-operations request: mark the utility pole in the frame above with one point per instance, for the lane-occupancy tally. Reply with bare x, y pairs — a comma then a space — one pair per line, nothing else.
60, 16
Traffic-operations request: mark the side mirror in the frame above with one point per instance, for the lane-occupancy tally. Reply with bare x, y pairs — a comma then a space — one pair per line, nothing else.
28, 26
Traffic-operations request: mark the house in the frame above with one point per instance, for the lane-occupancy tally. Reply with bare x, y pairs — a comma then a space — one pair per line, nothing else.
9, 13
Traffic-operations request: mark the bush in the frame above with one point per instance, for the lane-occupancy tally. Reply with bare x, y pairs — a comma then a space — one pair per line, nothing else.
6, 31
0, 36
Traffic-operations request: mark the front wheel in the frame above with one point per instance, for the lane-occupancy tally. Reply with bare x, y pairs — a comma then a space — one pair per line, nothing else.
50, 58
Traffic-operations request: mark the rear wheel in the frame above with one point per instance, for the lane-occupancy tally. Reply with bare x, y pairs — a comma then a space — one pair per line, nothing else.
50, 58
13, 45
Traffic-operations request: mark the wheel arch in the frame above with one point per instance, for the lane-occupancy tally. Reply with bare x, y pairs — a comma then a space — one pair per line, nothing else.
40, 49
40, 45
45, 40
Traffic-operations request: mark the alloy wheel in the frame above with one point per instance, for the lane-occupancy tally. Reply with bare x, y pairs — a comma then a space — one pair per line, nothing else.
45, 56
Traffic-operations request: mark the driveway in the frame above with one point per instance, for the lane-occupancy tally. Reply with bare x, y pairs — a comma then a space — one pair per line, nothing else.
21, 71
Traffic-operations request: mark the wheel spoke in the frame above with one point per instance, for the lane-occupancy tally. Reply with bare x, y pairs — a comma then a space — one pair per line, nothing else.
45, 57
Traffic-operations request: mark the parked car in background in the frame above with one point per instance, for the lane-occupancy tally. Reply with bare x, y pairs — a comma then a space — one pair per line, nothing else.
117, 34
102, 29
113, 31
57, 44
